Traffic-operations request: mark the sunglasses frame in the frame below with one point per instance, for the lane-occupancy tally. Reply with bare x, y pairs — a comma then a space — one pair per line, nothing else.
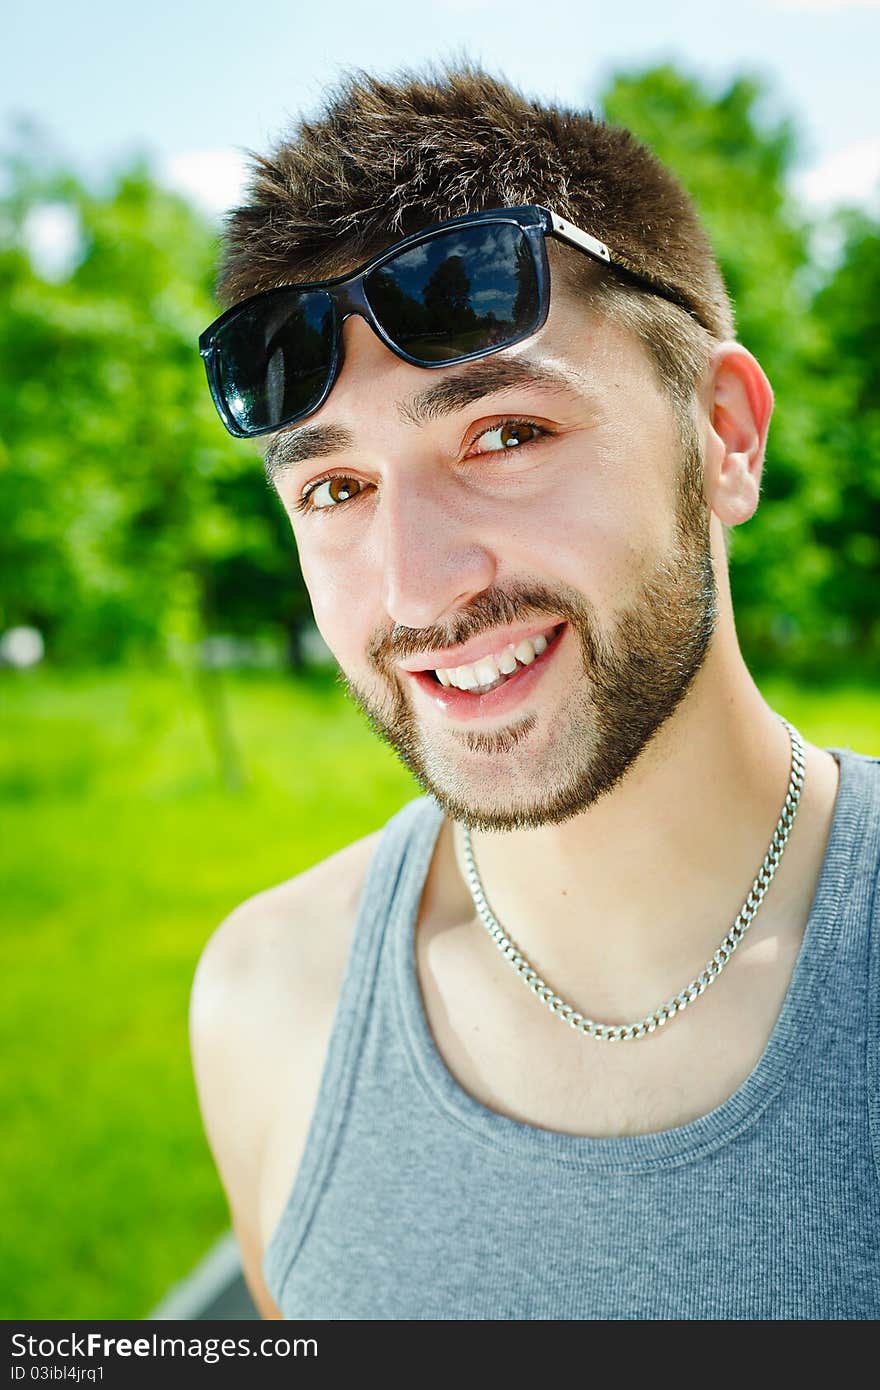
348, 296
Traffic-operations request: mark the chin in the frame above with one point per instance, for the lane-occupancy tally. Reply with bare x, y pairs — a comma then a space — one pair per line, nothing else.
515, 789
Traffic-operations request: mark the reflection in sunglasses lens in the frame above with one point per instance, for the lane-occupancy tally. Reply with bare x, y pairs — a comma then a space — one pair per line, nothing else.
463, 291
274, 360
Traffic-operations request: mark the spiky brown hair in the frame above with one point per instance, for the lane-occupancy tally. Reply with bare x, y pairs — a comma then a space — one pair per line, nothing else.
387, 157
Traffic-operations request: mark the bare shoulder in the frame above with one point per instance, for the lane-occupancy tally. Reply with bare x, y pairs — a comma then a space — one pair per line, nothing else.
261, 1010
302, 926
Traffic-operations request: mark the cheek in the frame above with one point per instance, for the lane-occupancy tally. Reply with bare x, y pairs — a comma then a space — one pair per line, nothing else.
586, 537
343, 606
607, 522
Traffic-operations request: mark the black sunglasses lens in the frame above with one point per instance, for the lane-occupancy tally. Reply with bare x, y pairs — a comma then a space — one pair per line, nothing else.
458, 293
274, 358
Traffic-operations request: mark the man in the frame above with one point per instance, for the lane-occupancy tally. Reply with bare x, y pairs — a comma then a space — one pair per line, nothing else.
512, 449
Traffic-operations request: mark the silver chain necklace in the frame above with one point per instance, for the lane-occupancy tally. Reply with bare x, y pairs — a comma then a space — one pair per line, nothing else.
607, 1032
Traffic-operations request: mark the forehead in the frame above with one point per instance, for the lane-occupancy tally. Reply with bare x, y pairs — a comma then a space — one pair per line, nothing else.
439, 398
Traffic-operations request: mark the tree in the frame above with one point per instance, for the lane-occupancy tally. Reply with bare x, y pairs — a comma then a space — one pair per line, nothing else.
847, 371
135, 519
734, 157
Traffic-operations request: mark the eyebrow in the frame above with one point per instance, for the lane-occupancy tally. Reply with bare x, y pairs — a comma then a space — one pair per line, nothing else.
486, 377
293, 447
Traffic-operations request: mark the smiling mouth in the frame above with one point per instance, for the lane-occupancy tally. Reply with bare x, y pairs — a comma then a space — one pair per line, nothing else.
490, 672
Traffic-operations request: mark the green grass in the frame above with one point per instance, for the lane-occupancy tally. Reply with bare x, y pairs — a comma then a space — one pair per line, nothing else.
121, 850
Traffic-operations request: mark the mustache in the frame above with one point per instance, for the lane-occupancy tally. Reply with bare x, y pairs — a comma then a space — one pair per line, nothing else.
495, 608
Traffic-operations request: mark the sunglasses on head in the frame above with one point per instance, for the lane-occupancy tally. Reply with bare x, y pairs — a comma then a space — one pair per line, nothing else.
453, 292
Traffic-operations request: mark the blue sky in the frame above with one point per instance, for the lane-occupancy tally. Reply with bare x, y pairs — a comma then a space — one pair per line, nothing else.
194, 84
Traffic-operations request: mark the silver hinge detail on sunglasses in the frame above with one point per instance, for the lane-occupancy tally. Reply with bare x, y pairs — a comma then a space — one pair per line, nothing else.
578, 238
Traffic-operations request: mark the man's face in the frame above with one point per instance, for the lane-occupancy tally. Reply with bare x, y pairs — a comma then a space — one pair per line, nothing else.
545, 493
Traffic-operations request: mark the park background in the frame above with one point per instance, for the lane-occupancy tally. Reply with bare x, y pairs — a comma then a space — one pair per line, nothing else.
173, 738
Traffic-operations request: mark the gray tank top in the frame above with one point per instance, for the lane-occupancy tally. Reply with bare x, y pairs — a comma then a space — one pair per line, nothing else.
415, 1201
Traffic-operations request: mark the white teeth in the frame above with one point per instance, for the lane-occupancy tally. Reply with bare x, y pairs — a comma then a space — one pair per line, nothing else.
486, 671
489, 669
524, 652
464, 678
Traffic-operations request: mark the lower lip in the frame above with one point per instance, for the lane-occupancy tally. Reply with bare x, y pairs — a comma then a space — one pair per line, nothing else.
463, 705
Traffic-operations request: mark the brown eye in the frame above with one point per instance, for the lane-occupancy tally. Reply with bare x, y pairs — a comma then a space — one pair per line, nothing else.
341, 489
518, 434
333, 491
509, 435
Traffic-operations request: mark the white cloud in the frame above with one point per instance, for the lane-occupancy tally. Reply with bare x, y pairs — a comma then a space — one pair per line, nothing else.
851, 175
212, 179
53, 240
416, 257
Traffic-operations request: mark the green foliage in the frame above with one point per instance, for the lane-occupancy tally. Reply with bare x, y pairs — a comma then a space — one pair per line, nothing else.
805, 571
848, 368
137, 520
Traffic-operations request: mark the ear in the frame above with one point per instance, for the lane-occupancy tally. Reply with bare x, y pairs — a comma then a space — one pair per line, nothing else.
739, 402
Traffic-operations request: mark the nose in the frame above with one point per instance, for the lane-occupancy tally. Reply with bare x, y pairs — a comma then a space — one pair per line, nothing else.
432, 562
429, 552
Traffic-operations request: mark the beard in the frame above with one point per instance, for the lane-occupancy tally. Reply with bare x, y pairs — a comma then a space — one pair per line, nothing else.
634, 677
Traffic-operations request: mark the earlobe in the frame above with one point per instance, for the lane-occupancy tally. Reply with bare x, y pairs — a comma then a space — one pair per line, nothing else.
739, 404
